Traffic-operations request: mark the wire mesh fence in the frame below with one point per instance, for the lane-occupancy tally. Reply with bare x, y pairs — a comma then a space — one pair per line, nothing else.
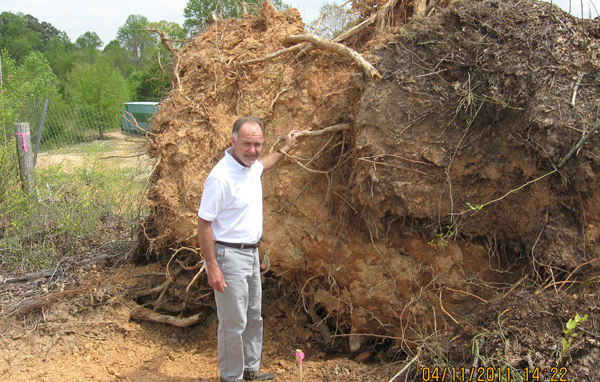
55, 124
91, 179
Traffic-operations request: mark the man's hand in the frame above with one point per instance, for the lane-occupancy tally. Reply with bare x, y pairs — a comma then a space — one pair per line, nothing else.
216, 279
205, 239
290, 140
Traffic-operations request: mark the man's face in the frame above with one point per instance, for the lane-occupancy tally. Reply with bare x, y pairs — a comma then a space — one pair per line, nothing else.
248, 144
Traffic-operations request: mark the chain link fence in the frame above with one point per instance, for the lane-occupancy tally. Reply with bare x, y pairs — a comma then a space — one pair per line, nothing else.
54, 124
91, 179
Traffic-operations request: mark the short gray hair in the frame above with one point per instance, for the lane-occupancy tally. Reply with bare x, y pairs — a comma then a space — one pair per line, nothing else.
237, 125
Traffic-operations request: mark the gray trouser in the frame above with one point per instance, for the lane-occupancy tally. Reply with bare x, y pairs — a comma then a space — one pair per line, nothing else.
239, 310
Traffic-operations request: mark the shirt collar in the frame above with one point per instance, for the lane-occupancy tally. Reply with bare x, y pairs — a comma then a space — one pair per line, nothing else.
231, 160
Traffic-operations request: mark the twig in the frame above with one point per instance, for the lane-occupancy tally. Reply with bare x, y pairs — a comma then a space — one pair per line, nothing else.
379, 18
85, 335
579, 144
277, 97
303, 166
134, 120
123, 156
373, 335
187, 290
141, 313
165, 40
273, 55
407, 365
267, 262
575, 270
467, 293
314, 133
394, 166
444, 310
579, 77
514, 286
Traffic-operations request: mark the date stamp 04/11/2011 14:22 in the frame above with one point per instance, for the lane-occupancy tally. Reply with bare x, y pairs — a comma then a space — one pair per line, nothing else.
490, 374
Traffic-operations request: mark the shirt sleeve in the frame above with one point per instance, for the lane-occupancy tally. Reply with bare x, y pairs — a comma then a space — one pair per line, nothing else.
213, 199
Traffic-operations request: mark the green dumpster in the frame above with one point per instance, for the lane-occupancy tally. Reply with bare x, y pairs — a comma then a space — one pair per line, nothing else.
142, 112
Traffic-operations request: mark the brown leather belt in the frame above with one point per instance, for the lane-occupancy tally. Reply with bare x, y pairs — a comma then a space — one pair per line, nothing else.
238, 246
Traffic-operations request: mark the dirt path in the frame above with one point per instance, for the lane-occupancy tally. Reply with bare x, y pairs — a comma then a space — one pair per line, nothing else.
118, 149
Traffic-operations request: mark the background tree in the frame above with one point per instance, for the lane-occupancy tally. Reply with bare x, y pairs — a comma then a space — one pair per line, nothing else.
151, 80
61, 54
99, 86
17, 36
33, 78
89, 40
132, 35
196, 11
334, 20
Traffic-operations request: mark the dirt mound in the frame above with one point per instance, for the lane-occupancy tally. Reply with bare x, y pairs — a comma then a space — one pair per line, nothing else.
468, 164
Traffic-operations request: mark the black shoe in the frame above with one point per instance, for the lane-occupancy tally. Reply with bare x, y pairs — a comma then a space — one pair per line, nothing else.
257, 375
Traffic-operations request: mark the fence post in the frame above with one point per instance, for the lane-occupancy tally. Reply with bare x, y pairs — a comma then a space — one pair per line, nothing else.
25, 156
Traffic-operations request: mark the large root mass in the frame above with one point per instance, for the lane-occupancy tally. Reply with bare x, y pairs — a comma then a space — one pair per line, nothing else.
448, 181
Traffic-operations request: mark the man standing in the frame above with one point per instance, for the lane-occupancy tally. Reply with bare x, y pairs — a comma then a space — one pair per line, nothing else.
230, 220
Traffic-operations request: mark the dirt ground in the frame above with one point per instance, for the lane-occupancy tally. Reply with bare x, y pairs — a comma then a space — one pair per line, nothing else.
79, 330
118, 149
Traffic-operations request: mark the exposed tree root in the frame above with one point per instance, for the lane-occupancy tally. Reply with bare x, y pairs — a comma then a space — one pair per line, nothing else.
273, 55
141, 313
157, 289
314, 133
322, 43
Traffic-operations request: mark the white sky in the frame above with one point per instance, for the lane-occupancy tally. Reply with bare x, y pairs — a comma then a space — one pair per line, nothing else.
75, 17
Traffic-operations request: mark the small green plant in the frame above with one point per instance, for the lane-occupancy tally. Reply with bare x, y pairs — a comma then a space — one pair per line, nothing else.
475, 207
443, 237
569, 334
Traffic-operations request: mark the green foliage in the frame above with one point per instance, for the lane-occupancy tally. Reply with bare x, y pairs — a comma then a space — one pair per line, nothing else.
196, 11
151, 85
120, 58
89, 40
98, 86
569, 333
61, 54
33, 77
133, 37
22, 34
9, 169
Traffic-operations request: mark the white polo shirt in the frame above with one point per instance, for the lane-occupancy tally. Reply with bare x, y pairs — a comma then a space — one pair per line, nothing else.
232, 201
